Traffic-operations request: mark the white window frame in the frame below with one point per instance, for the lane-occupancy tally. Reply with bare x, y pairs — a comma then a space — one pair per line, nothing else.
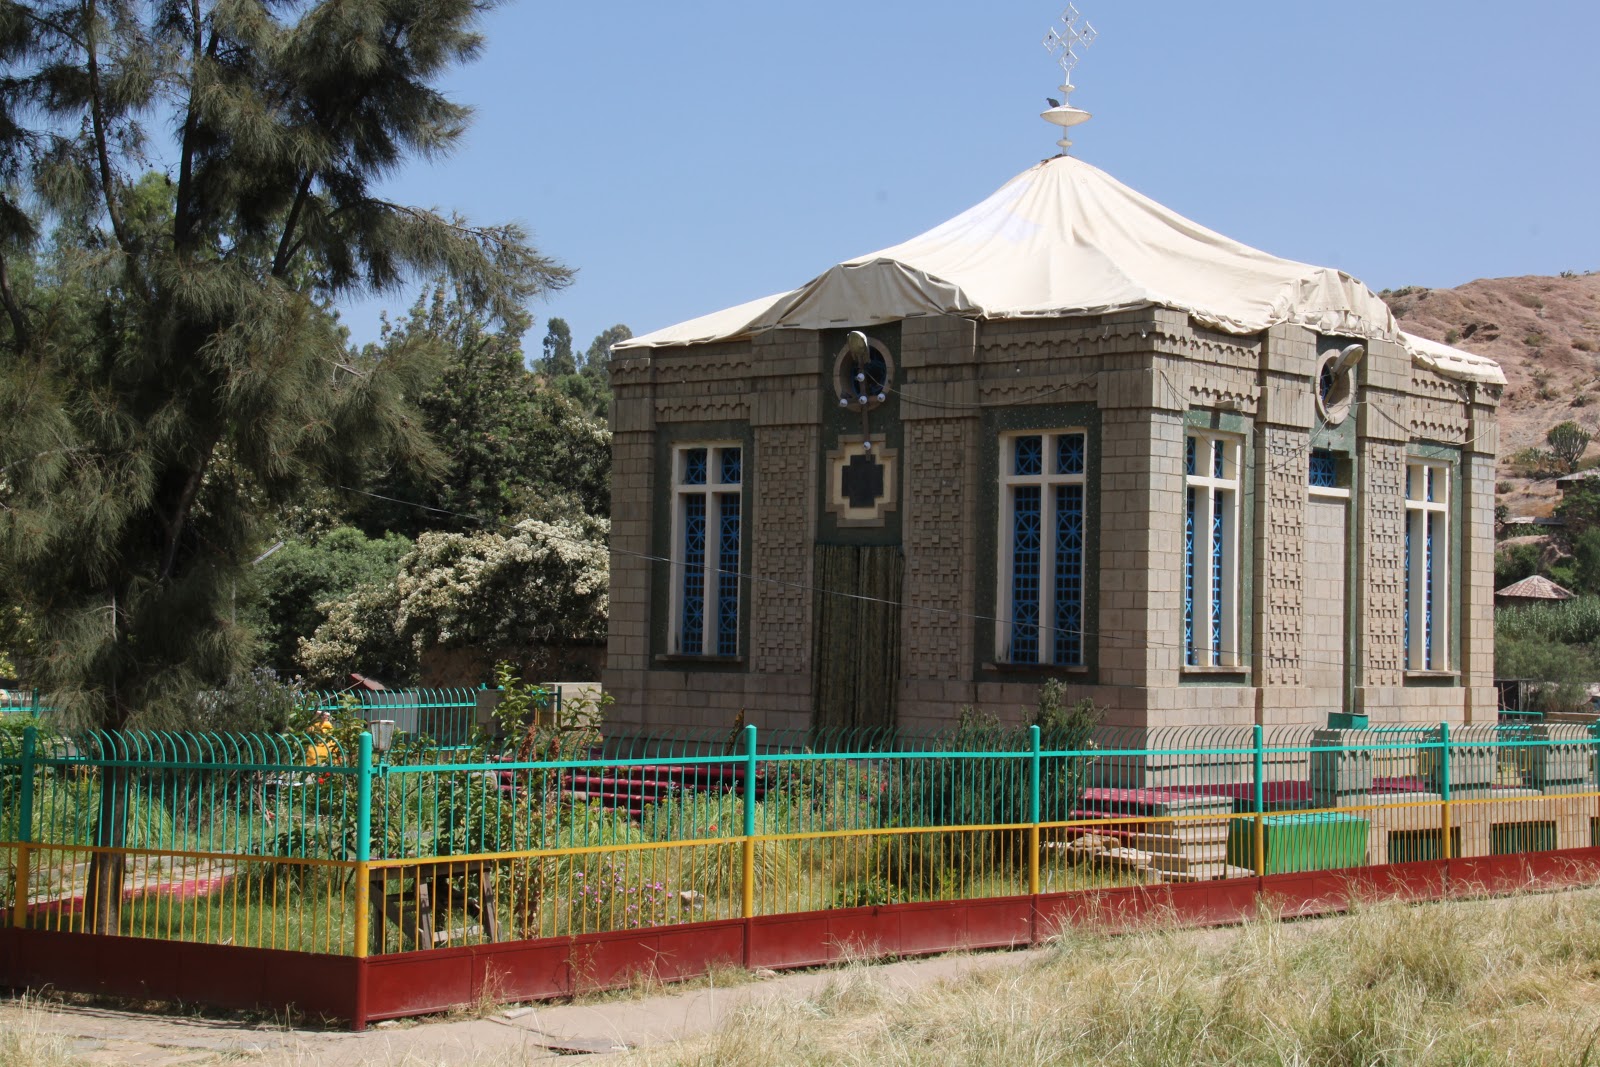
1211, 494
1047, 480
712, 491
1427, 647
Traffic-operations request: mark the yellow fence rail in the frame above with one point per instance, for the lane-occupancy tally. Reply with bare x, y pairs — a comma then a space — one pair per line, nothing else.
292, 844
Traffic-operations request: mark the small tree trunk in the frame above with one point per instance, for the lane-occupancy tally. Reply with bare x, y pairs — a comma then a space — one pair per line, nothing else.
102, 904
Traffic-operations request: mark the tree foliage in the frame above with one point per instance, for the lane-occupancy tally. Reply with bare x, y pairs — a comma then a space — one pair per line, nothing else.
1579, 510
512, 446
1568, 441
292, 588
587, 381
1556, 644
496, 593
558, 358
170, 374
173, 375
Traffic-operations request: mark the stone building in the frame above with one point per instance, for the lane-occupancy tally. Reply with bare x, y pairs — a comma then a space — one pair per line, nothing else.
1069, 434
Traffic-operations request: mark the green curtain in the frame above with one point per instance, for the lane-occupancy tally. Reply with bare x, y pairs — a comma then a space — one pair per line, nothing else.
856, 638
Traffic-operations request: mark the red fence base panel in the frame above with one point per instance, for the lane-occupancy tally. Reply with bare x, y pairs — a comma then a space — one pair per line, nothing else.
1523, 872
418, 983
814, 939
1307, 893
232, 977
1128, 908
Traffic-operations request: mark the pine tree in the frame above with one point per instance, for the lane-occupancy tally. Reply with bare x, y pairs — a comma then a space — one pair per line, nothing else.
514, 445
170, 372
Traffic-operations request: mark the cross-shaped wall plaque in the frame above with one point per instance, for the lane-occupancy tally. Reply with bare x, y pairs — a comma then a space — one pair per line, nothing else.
862, 481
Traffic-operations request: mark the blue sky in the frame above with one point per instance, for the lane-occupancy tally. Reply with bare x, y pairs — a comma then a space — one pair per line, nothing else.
689, 156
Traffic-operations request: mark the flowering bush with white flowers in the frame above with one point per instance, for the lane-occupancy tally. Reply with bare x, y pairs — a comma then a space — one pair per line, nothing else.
535, 583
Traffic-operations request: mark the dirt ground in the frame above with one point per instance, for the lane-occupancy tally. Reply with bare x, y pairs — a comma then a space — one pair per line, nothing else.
512, 1035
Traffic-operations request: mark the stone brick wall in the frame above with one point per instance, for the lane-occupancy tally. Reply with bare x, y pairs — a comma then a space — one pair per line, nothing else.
1281, 463
940, 550
784, 514
1381, 529
1143, 370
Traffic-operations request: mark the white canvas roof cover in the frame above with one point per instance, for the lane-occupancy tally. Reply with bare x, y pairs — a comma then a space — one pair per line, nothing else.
1064, 238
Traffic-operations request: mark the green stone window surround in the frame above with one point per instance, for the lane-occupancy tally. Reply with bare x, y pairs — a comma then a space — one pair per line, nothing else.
670, 437
1449, 456
995, 425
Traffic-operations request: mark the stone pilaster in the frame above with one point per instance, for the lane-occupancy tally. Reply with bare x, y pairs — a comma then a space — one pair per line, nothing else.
1381, 566
784, 514
1280, 556
940, 537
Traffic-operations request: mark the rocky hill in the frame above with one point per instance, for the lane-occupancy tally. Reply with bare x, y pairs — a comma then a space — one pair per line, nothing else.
1545, 334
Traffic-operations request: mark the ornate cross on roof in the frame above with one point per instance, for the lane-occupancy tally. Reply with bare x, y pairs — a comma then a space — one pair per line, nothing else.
1065, 46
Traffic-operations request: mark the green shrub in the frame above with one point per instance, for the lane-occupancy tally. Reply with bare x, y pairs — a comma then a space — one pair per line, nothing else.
925, 866
866, 893
813, 795
1513, 563
1534, 463
717, 871
597, 887
989, 791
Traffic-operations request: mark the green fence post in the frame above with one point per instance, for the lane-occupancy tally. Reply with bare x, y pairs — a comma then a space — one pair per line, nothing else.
748, 907
1594, 768
19, 885
364, 846
1444, 790
34, 708
1259, 799
1033, 810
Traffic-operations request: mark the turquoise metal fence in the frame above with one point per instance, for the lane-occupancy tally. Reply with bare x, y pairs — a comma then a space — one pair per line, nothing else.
323, 843
22, 702
447, 717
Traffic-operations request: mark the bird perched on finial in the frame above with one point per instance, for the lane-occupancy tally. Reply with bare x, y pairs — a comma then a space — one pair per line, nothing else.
1052, 101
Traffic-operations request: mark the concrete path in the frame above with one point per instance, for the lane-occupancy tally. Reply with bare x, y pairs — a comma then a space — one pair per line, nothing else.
515, 1035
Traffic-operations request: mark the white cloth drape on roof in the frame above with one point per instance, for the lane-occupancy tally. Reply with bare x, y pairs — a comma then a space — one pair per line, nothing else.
1064, 238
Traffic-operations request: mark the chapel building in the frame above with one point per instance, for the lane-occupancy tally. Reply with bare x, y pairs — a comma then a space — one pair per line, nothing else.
1071, 434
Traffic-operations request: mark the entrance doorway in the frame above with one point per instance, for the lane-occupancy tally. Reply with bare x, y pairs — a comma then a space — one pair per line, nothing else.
856, 638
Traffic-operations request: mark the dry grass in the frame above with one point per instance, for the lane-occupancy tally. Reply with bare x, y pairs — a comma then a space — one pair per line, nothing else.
1503, 982
24, 1042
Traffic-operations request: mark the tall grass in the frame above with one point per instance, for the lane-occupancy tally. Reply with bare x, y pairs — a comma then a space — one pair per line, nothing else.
1491, 983
25, 1040
1568, 622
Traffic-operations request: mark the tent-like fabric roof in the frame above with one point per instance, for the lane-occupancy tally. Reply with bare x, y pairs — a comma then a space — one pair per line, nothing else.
1064, 238
1536, 587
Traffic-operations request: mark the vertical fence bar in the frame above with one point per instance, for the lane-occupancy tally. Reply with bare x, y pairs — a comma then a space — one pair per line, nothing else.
1444, 791
748, 905
364, 845
19, 885
1594, 770
1033, 810
1259, 799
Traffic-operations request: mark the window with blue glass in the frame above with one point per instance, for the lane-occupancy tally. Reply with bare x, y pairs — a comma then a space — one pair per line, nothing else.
706, 539
1043, 525
1324, 473
1211, 550
1427, 559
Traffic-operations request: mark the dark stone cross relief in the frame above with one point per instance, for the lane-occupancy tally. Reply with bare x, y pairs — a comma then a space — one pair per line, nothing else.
861, 481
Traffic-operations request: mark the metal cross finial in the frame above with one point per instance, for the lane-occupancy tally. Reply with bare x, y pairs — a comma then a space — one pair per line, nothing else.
1064, 45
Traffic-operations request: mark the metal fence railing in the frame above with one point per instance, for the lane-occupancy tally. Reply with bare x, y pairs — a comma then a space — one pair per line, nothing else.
447, 717
320, 843
22, 702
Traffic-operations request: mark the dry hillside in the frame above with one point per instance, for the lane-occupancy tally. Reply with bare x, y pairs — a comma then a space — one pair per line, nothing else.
1545, 333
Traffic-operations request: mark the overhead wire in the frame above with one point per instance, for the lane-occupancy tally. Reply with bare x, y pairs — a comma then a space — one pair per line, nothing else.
1246, 659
